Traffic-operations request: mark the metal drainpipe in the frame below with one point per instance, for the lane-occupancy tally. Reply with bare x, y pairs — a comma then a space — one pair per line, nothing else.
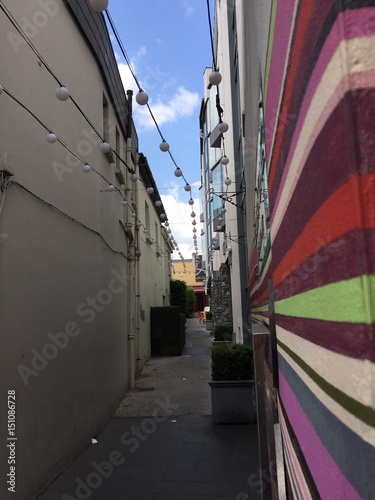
132, 262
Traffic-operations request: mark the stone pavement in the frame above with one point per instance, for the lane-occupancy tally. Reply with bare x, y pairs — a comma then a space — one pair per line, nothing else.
161, 443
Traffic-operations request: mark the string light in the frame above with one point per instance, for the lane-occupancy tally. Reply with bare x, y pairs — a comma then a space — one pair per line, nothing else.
223, 127
164, 146
51, 138
86, 168
104, 147
62, 93
215, 78
141, 97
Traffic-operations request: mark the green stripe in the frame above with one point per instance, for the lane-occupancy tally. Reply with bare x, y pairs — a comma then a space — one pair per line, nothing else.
266, 253
269, 46
260, 309
346, 301
364, 413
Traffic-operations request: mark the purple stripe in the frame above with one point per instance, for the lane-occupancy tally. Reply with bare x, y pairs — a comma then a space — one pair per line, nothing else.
328, 478
357, 19
354, 340
283, 23
331, 263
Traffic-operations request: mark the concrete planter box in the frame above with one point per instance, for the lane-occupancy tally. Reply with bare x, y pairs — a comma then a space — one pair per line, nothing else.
209, 325
232, 401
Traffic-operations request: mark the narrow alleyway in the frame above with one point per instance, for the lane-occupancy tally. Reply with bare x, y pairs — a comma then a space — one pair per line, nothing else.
161, 443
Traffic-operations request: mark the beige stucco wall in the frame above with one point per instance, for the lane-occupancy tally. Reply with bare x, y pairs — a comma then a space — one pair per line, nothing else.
67, 286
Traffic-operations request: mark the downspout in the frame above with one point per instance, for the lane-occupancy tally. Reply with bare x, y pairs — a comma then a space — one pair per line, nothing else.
132, 261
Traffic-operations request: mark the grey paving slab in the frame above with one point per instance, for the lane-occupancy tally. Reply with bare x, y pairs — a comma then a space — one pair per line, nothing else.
174, 453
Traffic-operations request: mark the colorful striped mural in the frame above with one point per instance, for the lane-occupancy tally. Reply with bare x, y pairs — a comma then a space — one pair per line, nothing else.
319, 106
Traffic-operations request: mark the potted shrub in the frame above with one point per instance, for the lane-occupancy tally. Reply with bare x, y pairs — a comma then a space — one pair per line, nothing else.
208, 320
223, 333
232, 384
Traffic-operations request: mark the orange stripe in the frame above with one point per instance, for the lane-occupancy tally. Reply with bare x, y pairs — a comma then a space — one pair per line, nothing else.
302, 23
350, 207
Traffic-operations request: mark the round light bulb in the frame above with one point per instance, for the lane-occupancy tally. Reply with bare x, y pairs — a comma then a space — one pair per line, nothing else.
141, 98
191, 201
187, 187
133, 215
51, 138
218, 228
164, 146
223, 127
163, 216
194, 230
99, 5
192, 214
227, 181
150, 190
224, 160
86, 168
166, 224
124, 203
62, 93
111, 187
194, 222
158, 203
134, 177
105, 147
215, 78
178, 172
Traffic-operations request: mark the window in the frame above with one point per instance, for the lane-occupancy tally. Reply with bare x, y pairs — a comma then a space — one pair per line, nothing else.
261, 208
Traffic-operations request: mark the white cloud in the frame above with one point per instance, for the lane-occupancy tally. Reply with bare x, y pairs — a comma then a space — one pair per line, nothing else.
183, 103
188, 8
127, 78
125, 73
180, 221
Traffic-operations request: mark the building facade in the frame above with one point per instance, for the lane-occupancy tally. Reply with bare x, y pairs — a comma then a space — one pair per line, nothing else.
306, 95
74, 293
192, 272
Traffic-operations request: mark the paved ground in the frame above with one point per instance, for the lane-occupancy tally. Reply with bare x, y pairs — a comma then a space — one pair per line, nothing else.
162, 444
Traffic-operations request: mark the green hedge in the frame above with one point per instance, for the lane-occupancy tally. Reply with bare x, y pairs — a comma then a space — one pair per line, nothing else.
234, 362
223, 331
183, 296
167, 331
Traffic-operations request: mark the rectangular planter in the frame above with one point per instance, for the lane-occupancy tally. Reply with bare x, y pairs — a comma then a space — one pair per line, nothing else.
232, 401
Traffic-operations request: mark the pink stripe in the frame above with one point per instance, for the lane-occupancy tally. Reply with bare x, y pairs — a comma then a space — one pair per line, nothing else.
356, 23
283, 23
290, 453
328, 477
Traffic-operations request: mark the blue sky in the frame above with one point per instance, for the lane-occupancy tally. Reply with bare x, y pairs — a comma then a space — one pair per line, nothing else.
168, 42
